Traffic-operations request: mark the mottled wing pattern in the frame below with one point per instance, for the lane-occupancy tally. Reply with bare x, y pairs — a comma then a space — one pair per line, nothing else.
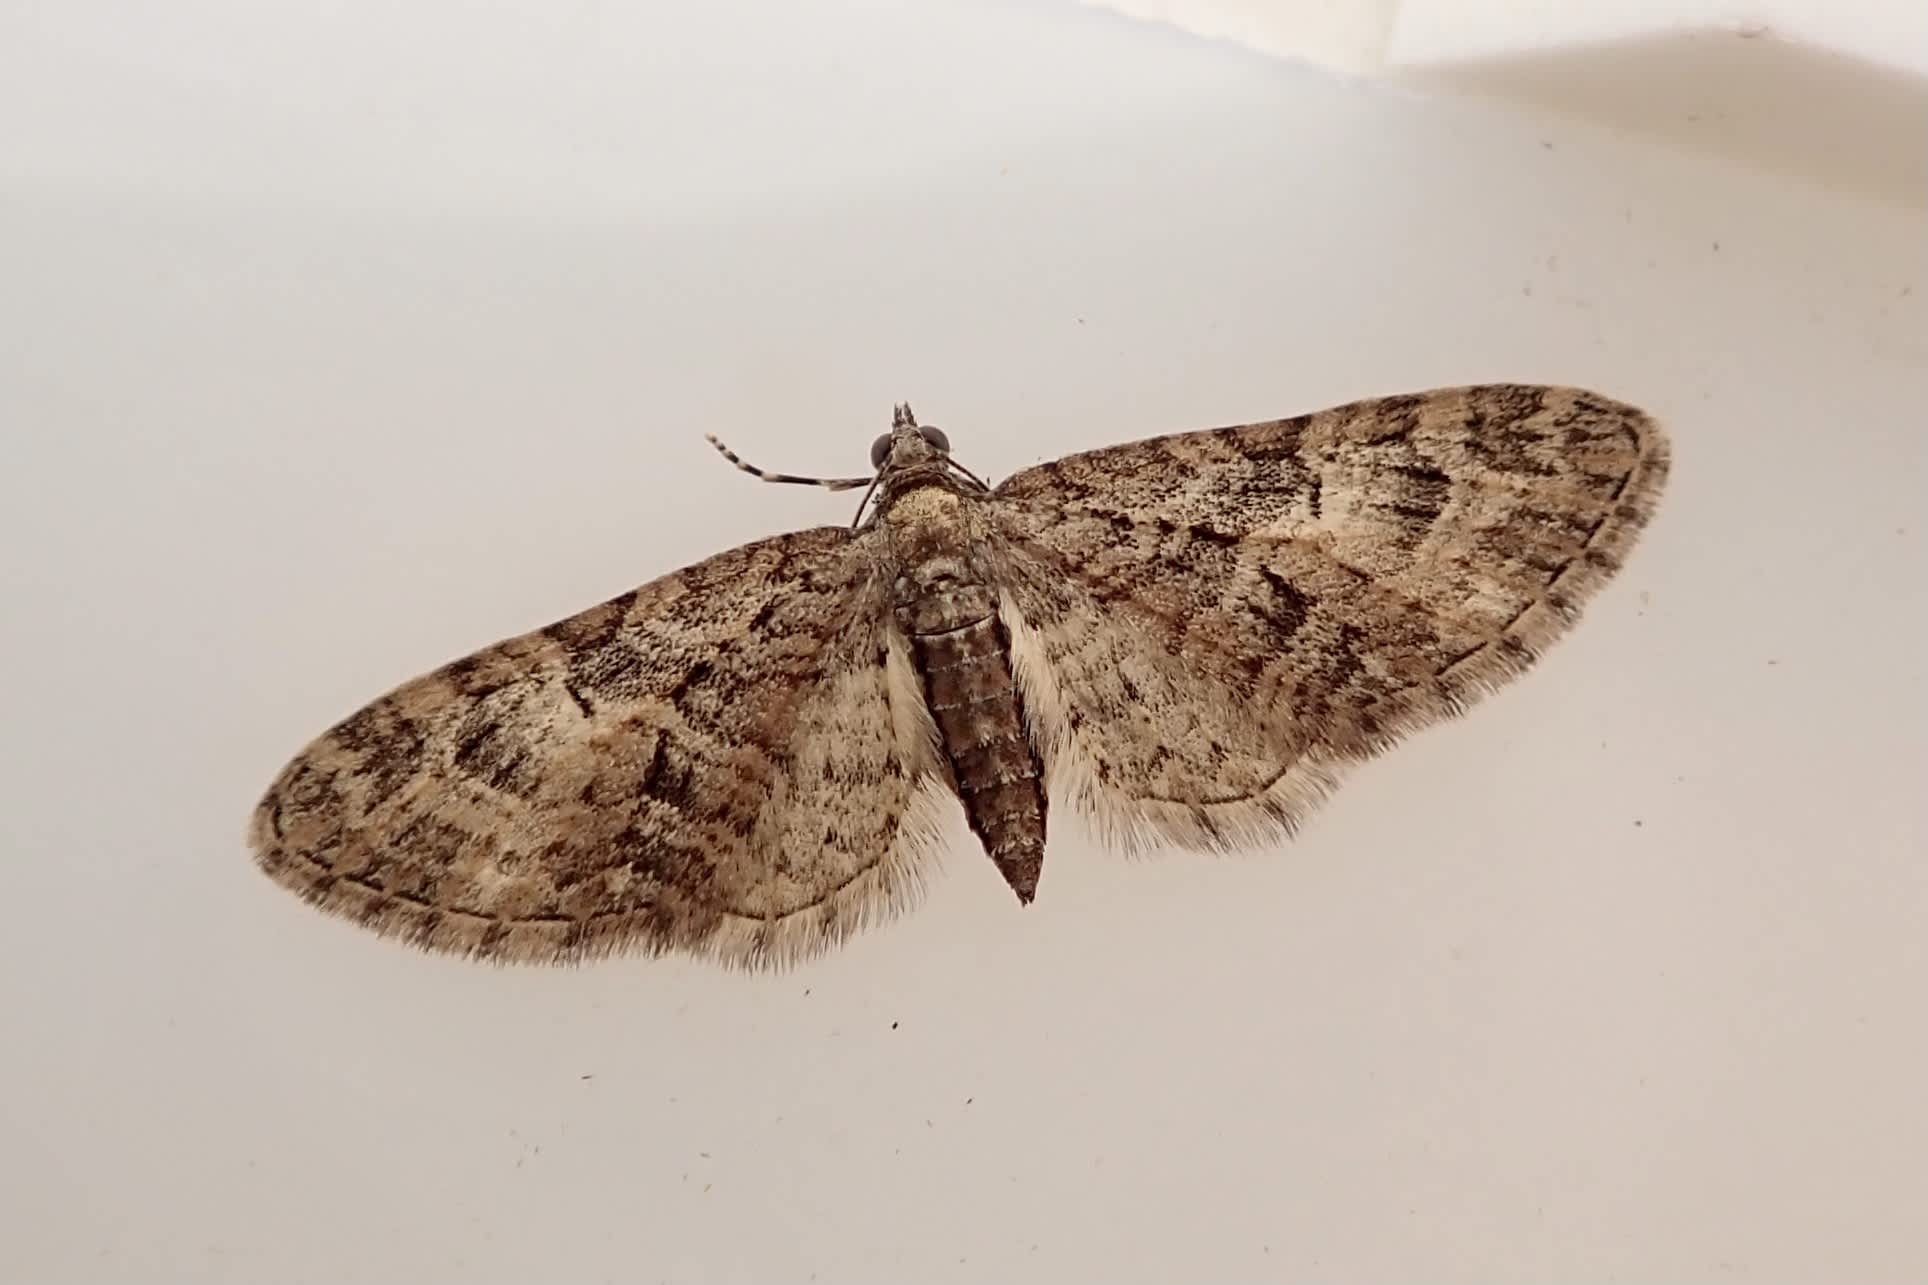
713, 764
1209, 625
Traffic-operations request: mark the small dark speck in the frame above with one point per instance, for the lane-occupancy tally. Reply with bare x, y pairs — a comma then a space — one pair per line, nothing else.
585, 1077
704, 1154
1547, 143
968, 1101
1716, 247
1773, 662
1638, 823
893, 1026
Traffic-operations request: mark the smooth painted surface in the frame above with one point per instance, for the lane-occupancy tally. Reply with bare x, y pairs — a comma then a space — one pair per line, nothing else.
1832, 91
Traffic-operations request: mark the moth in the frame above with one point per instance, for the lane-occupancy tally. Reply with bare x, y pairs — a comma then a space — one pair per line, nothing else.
1187, 639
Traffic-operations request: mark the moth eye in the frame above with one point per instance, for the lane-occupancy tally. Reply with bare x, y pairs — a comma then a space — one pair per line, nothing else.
880, 451
935, 436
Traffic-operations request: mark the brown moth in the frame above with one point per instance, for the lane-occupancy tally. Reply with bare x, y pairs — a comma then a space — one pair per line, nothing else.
1185, 638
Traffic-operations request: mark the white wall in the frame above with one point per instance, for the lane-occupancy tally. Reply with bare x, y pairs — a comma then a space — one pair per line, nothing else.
1833, 92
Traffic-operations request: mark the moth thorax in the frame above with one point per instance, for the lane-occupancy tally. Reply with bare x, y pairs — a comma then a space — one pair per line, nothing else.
944, 571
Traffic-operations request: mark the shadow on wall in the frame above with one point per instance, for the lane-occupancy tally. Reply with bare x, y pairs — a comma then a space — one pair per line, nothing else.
1741, 91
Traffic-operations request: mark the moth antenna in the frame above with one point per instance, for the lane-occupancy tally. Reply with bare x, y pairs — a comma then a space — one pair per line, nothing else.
865, 503
967, 473
827, 483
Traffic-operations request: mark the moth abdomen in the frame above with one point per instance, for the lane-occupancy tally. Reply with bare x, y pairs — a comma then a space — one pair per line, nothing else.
963, 655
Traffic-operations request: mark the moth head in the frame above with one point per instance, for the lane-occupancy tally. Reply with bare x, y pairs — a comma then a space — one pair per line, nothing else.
910, 454
922, 442
908, 443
